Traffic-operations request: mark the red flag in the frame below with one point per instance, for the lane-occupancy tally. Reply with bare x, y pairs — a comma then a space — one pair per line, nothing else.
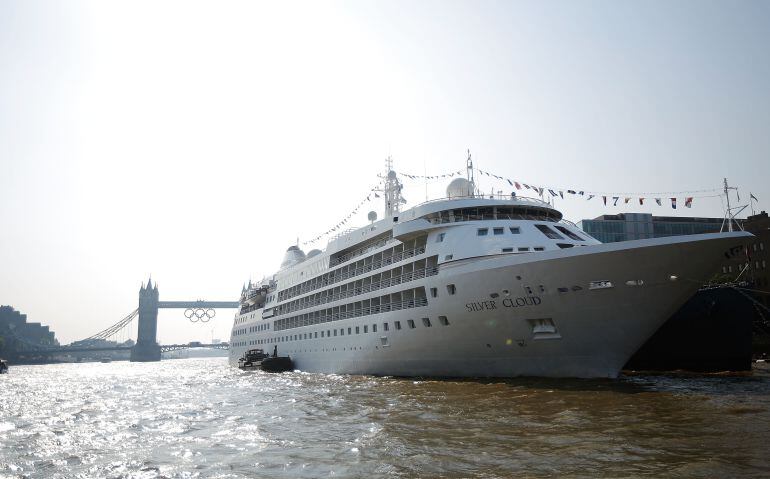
688, 202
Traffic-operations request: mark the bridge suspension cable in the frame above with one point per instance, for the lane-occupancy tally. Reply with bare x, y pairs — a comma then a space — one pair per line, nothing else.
115, 328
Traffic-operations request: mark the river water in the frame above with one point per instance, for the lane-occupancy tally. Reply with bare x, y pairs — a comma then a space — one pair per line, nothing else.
201, 418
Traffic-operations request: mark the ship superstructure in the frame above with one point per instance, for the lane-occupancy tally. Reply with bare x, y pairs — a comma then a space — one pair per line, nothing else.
472, 285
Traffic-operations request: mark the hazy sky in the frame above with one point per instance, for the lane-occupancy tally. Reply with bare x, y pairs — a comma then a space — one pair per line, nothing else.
195, 141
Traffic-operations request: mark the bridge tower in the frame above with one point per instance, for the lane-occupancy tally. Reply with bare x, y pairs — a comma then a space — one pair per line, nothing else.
147, 348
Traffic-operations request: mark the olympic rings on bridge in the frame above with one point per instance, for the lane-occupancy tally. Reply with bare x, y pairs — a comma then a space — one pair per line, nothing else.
199, 314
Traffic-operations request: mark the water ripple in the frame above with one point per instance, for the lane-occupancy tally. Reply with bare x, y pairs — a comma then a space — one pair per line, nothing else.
203, 419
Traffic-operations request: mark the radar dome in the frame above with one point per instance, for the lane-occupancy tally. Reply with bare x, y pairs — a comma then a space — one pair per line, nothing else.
293, 256
372, 216
313, 252
460, 187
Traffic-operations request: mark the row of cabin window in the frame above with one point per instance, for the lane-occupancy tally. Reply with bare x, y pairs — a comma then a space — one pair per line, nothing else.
259, 327
729, 269
545, 229
244, 318
410, 323
497, 231
420, 269
397, 253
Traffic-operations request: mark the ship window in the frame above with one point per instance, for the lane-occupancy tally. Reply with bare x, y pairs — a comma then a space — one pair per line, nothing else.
549, 232
498, 231
762, 246
397, 324
443, 320
448, 257
482, 231
374, 328
569, 233
507, 250
322, 334
366, 329
515, 230
316, 334
335, 332
755, 246
724, 269
539, 248
434, 292
523, 248
349, 331
410, 322
426, 322
385, 327
764, 265
440, 237
565, 245
451, 289
358, 330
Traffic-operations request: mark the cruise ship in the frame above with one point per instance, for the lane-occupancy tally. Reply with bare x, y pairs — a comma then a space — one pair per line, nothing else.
472, 285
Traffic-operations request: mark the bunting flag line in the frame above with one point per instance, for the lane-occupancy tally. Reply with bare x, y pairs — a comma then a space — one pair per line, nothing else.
345, 219
686, 196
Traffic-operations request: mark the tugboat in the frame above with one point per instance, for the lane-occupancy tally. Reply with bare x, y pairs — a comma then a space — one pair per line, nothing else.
252, 359
3, 367
277, 364
258, 359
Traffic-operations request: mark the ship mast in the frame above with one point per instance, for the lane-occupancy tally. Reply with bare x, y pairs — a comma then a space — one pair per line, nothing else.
729, 213
392, 190
469, 166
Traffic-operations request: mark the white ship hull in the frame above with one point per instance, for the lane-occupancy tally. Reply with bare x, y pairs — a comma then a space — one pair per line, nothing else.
508, 316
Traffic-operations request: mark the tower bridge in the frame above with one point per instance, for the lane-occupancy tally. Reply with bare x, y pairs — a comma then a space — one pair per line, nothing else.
146, 347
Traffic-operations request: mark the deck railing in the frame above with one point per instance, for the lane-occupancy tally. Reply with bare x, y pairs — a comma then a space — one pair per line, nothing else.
374, 286
297, 321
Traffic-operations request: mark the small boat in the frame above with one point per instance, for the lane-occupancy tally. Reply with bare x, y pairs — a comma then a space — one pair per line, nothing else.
3, 367
277, 364
252, 359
